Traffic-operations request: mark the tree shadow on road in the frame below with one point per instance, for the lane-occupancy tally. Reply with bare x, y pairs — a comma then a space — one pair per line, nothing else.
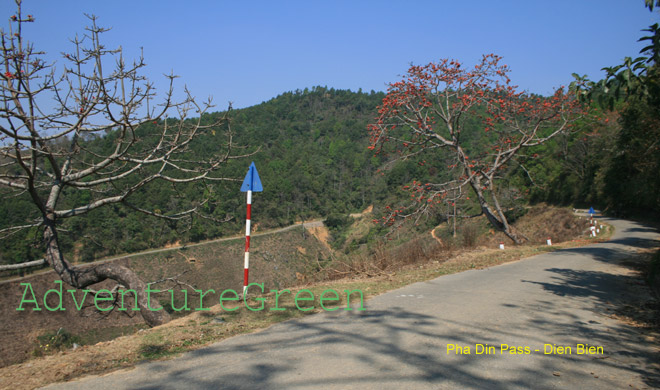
400, 349
614, 293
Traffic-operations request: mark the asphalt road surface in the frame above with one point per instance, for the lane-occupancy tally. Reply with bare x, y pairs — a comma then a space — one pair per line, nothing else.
404, 338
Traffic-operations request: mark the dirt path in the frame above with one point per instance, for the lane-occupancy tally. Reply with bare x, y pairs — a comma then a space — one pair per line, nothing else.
307, 225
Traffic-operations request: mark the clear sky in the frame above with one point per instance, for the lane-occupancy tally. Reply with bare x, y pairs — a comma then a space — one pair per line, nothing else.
251, 51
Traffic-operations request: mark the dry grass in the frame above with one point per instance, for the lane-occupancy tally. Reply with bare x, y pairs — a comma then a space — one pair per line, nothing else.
385, 260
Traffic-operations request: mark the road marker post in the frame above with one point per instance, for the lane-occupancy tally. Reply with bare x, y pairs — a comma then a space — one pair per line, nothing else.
251, 183
549, 241
501, 245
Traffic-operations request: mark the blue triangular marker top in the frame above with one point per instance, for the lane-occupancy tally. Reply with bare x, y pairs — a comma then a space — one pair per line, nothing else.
252, 182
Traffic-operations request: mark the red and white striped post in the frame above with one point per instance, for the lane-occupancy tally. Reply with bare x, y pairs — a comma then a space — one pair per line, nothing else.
251, 183
246, 266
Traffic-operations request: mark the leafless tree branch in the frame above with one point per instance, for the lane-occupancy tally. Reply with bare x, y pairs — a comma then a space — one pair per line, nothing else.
139, 139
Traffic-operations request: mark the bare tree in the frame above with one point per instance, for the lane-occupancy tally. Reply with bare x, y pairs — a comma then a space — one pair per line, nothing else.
428, 110
47, 119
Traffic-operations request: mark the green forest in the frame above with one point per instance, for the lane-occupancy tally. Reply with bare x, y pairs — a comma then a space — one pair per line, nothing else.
311, 148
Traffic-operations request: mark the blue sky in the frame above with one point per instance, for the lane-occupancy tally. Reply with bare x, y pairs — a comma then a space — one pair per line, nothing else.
251, 51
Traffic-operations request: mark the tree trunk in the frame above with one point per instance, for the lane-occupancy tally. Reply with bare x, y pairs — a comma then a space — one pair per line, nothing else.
81, 277
500, 224
454, 235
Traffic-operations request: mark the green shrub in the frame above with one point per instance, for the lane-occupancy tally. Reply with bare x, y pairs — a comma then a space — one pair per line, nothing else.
52, 342
337, 221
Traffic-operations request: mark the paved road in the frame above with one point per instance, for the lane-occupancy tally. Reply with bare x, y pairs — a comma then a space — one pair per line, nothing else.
563, 298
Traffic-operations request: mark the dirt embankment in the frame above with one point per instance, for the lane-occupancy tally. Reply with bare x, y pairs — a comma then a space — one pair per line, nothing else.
276, 260
537, 225
21, 328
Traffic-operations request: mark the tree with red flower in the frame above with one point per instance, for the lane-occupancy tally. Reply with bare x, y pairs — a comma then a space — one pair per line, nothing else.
427, 110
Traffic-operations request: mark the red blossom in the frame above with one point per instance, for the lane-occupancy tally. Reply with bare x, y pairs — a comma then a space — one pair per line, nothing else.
428, 106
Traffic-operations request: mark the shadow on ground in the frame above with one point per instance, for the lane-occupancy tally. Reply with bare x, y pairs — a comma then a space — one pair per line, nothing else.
291, 361
624, 296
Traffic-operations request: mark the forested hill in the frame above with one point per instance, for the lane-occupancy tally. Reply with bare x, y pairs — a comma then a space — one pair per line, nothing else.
313, 157
310, 148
